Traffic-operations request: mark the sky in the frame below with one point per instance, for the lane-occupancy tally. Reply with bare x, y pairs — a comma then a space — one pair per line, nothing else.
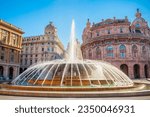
32, 16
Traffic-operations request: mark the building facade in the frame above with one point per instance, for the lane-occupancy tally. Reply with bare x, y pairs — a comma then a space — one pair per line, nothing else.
10, 48
122, 43
41, 48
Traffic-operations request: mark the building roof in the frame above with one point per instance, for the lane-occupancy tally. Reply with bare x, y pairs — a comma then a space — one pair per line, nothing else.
10, 26
111, 22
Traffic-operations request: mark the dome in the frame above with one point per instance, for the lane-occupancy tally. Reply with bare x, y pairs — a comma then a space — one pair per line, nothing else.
108, 21
73, 73
50, 28
139, 20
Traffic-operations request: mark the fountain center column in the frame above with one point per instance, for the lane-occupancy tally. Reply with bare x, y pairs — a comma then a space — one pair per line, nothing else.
72, 44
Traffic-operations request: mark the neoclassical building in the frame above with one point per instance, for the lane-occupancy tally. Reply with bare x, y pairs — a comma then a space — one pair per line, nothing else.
123, 43
10, 48
41, 48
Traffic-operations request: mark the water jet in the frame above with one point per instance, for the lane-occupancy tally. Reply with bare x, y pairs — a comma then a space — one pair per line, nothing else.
74, 77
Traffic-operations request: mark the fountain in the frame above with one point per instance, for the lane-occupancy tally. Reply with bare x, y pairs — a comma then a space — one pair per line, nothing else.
73, 71
73, 77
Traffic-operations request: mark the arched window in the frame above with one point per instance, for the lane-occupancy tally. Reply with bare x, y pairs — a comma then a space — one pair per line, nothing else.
109, 50
122, 50
146, 71
90, 54
108, 31
121, 30
136, 69
11, 72
143, 51
124, 68
1, 71
98, 53
137, 25
97, 33
134, 51
21, 70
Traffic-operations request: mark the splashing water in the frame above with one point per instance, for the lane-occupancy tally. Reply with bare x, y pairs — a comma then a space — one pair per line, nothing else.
73, 71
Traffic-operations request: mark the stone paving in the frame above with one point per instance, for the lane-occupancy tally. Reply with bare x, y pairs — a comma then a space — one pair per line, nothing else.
3, 97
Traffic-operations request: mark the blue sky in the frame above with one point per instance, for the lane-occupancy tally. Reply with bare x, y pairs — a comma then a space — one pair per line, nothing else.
33, 15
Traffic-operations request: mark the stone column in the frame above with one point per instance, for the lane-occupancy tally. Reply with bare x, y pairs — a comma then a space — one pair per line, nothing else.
148, 70
8, 56
116, 51
101, 49
19, 57
16, 57
16, 42
20, 41
16, 73
6, 72
142, 72
130, 71
9, 38
127, 51
103, 52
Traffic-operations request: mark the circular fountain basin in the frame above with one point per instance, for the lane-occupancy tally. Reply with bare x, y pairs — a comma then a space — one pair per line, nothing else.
78, 73
138, 89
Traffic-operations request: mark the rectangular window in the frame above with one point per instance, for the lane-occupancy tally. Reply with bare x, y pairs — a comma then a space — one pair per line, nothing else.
49, 49
36, 49
30, 62
3, 48
25, 61
2, 56
52, 49
21, 61
26, 49
12, 58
